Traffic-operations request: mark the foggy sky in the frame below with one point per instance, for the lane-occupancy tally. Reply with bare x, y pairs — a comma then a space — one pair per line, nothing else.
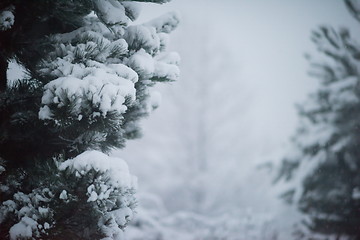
269, 40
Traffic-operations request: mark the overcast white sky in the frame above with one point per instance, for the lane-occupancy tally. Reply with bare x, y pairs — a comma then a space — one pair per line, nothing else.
268, 39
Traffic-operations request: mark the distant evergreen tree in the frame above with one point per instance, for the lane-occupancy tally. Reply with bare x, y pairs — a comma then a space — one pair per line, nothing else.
88, 74
324, 169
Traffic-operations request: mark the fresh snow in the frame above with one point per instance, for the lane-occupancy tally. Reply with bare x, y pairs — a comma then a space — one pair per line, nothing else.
63, 195
7, 19
111, 12
111, 191
143, 63
23, 229
166, 23
103, 88
114, 168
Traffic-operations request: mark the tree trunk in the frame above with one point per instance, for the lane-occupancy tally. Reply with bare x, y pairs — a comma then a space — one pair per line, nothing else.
3, 69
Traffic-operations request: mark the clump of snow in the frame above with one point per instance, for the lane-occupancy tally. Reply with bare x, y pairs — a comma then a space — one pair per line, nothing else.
103, 88
142, 63
112, 191
151, 36
63, 195
167, 66
164, 67
123, 215
45, 113
46, 225
31, 209
7, 20
167, 71
132, 9
10, 204
116, 14
43, 211
111, 12
145, 37
116, 169
23, 229
166, 23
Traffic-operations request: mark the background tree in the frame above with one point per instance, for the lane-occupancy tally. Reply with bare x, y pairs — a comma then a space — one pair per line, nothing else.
323, 170
88, 74
196, 150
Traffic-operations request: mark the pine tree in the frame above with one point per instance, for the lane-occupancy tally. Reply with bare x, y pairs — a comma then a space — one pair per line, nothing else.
88, 75
323, 170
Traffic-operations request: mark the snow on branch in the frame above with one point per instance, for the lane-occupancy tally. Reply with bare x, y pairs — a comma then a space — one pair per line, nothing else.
7, 18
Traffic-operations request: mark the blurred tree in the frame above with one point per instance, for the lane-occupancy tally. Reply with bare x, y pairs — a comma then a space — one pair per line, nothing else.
88, 74
323, 170
195, 149
206, 136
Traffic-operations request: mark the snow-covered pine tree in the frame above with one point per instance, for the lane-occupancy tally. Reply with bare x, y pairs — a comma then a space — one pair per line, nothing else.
88, 75
323, 169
